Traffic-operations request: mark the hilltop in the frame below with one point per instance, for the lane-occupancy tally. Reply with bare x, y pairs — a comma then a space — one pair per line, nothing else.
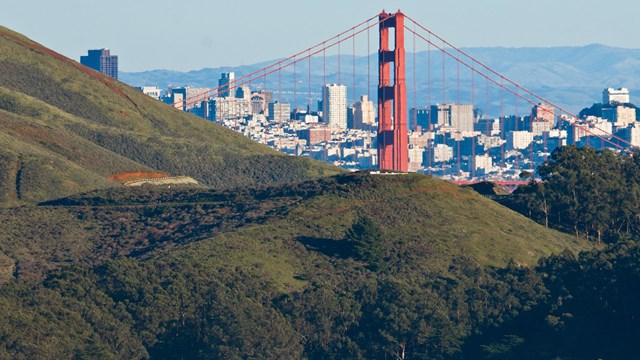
65, 129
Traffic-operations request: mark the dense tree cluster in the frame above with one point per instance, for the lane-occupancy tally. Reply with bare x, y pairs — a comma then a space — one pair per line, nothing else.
588, 311
592, 193
566, 307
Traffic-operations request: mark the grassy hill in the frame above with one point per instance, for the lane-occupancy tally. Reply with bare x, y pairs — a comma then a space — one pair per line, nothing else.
65, 128
426, 223
274, 251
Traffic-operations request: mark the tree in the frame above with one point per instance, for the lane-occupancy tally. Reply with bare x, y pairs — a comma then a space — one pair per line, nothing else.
584, 188
367, 240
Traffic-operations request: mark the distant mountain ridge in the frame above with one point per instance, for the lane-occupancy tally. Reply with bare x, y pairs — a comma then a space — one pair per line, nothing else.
571, 77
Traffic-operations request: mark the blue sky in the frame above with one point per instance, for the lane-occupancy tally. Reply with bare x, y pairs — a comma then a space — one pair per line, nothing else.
194, 34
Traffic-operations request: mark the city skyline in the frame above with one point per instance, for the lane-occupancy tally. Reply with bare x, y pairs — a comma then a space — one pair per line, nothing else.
160, 38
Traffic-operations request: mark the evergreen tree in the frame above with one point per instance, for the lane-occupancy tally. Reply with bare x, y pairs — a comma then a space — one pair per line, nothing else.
367, 241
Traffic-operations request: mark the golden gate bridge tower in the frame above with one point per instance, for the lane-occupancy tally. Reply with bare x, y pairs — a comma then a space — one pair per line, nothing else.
444, 138
392, 98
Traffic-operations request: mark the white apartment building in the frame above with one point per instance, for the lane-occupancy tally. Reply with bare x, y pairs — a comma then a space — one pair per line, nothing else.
365, 114
152, 91
442, 153
482, 162
593, 126
620, 95
519, 140
334, 104
415, 154
620, 115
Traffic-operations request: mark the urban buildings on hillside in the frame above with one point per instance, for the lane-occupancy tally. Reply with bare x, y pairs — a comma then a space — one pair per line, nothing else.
448, 140
101, 60
546, 113
620, 96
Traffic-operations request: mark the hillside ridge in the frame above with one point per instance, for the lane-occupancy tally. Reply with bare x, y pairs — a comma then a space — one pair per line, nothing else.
69, 127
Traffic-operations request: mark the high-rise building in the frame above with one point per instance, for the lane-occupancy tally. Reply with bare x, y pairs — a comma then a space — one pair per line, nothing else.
415, 157
243, 92
458, 116
334, 101
351, 117
279, 112
226, 108
226, 84
518, 140
419, 117
258, 103
619, 114
620, 95
543, 112
101, 60
186, 97
365, 114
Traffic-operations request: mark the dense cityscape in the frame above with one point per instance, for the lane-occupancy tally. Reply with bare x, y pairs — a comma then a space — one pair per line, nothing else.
448, 140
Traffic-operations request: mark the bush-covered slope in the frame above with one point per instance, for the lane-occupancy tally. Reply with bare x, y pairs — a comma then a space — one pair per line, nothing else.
71, 127
424, 223
268, 272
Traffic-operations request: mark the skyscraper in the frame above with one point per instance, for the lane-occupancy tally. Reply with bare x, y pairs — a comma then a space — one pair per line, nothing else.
226, 84
101, 60
365, 113
457, 116
334, 100
279, 112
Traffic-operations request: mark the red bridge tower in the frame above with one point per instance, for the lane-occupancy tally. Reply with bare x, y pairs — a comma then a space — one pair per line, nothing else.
392, 99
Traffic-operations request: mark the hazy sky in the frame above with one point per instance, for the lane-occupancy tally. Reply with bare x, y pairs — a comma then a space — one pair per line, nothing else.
194, 34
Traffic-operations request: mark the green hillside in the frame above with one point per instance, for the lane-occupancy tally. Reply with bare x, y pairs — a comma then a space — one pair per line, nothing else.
65, 128
426, 223
264, 256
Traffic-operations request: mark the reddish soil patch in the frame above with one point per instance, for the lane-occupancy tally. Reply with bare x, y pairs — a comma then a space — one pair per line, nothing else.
342, 209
